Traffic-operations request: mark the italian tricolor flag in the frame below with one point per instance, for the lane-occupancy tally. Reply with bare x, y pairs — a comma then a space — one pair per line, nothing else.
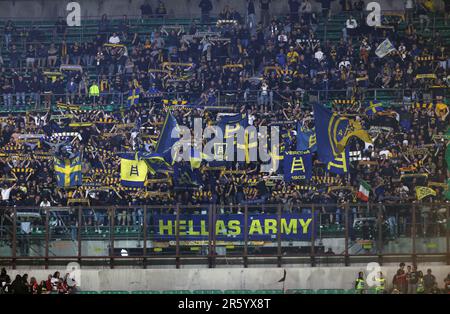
364, 191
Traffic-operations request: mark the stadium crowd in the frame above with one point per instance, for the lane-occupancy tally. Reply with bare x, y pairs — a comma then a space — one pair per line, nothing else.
277, 61
21, 285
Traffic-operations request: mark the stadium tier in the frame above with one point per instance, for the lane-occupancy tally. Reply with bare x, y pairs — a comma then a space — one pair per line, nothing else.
243, 138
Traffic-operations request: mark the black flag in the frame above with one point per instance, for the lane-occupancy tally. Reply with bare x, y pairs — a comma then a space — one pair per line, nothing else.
284, 277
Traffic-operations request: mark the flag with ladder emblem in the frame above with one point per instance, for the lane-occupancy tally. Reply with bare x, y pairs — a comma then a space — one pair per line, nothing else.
133, 171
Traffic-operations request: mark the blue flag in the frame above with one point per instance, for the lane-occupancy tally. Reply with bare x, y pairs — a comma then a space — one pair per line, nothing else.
166, 141
68, 171
340, 164
333, 132
230, 125
287, 137
155, 163
373, 107
306, 139
297, 165
133, 97
233, 121
184, 176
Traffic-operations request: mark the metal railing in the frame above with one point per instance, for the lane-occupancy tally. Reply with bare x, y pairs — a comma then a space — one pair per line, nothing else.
216, 234
220, 100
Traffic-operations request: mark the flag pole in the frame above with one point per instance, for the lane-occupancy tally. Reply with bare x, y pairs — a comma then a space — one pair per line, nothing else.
283, 280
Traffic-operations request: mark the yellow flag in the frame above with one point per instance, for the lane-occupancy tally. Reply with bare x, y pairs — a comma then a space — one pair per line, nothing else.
133, 172
423, 191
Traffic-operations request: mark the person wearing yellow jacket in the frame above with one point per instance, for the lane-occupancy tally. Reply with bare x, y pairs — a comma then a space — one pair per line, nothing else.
420, 283
94, 91
360, 283
381, 286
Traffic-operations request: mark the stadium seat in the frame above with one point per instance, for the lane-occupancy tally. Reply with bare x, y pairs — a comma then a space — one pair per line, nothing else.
114, 292
300, 291
146, 292
207, 292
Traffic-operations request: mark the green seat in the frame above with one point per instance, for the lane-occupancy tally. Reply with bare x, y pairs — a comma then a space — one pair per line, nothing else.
238, 291
114, 292
88, 292
145, 292
268, 291
207, 292
176, 292
351, 291
300, 291
330, 291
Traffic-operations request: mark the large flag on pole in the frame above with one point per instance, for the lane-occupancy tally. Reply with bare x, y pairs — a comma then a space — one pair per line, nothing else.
169, 136
385, 48
333, 132
340, 164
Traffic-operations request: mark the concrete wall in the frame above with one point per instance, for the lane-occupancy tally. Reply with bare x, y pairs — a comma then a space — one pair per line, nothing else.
219, 278
101, 248
187, 8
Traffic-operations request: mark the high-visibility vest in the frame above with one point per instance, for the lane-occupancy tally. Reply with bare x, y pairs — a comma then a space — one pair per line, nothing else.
420, 285
359, 284
382, 284
94, 91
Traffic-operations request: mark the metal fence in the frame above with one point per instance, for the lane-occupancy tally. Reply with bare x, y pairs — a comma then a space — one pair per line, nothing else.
13, 102
216, 235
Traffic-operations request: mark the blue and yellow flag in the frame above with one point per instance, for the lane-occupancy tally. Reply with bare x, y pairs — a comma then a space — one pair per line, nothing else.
373, 107
155, 163
333, 132
287, 137
297, 165
184, 176
133, 171
68, 171
230, 125
306, 139
169, 136
133, 97
340, 164
195, 158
